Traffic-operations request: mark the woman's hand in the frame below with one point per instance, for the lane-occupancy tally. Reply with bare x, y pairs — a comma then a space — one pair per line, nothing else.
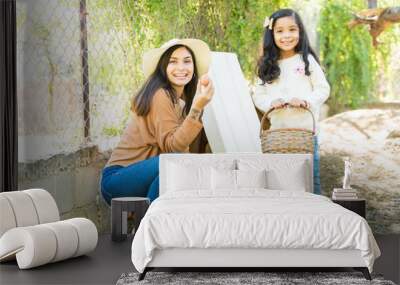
278, 103
204, 93
296, 102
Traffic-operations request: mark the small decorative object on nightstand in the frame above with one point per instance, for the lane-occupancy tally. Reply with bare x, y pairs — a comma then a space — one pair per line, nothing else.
347, 196
346, 192
119, 214
347, 173
355, 205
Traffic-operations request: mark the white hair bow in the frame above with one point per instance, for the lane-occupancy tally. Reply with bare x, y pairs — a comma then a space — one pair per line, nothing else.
268, 22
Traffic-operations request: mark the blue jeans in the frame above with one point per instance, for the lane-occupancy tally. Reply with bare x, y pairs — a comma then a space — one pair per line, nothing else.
139, 179
316, 173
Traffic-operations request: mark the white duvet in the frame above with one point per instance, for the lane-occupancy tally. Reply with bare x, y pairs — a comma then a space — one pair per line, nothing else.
253, 218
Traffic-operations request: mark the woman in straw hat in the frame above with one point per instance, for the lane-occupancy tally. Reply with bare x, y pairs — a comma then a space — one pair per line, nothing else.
165, 117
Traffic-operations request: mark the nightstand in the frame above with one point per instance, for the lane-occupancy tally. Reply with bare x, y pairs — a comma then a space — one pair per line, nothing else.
119, 214
355, 205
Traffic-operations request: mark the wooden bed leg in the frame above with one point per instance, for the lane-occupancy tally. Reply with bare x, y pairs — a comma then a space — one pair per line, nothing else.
364, 271
143, 274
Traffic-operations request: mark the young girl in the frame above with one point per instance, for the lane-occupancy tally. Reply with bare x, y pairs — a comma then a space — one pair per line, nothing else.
165, 117
290, 75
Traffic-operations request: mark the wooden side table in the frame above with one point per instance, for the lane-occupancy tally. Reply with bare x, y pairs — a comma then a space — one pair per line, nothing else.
119, 215
356, 205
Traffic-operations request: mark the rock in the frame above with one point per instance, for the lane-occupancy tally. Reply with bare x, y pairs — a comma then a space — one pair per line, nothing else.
371, 138
323, 112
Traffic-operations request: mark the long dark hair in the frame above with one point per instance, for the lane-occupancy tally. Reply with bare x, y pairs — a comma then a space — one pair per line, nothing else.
268, 68
142, 101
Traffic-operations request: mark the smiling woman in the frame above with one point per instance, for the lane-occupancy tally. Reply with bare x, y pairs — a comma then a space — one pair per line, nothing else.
165, 117
180, 68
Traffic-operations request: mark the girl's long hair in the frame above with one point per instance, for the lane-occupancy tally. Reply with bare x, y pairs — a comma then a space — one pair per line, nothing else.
267, 68
142, 101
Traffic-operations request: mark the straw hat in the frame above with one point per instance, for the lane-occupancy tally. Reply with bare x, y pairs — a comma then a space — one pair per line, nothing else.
199, 48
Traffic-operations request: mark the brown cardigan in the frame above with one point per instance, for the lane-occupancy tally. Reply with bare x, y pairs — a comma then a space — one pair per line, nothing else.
162, 130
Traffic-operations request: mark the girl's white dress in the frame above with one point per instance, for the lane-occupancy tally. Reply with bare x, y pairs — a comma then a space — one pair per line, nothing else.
293, 82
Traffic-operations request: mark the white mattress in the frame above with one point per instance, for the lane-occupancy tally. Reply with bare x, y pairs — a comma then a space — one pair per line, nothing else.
253, 218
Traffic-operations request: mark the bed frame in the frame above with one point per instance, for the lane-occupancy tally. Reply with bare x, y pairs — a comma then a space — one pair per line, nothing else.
242, 258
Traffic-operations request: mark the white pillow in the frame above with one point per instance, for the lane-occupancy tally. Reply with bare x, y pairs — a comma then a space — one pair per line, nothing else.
293, 180
186, 172
228, 179
282, 173
251, 178
223, 179
183, 177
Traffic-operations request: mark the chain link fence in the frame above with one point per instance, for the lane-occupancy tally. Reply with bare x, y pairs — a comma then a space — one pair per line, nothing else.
76, 64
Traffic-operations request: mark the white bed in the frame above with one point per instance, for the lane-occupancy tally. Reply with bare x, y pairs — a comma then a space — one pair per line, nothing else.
225, 226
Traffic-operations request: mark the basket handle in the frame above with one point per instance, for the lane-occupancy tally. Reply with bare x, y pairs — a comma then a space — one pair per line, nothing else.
265, 118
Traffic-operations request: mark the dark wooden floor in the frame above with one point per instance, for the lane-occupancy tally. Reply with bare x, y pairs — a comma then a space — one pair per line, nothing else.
103, 266
110, 260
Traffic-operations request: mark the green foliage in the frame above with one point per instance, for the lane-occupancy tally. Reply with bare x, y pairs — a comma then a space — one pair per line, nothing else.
354, 68
228, 26
348, 57
353, 65
112, 131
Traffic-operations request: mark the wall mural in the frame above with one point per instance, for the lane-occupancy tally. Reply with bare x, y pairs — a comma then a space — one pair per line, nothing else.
56, 144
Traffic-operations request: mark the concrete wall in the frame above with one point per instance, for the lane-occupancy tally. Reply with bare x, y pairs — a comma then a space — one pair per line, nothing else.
50, 104
73, 181
53, 152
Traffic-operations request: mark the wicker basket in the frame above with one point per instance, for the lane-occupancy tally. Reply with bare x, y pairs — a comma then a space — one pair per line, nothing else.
288, 140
